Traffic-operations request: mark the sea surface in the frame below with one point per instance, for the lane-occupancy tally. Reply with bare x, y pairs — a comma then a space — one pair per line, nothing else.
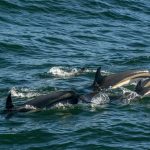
43, 45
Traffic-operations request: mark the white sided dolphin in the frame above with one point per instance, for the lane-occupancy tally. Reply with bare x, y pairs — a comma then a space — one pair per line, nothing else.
118, 79
43, 101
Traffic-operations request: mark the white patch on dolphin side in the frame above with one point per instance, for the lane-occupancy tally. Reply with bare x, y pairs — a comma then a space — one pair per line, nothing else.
132, 78
147, 93
121, 84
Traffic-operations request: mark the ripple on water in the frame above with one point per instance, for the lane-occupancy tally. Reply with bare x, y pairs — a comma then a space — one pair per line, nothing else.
43, 45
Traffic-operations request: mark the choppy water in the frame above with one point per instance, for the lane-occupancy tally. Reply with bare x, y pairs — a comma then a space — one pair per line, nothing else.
43, 42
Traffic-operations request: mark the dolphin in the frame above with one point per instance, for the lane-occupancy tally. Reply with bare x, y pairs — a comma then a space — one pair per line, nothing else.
118, 79
143, 87
43, 101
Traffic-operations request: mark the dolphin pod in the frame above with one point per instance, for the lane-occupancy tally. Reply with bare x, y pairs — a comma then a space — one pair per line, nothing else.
71, 97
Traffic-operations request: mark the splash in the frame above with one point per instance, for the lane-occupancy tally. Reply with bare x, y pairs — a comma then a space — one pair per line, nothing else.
66, 71
100, 99
129, 95
30, 107
69, 72
61, 72
63, 106
24, 92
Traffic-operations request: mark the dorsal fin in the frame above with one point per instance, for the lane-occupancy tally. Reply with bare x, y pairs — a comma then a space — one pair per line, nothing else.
9, 104
138, 86
98, 76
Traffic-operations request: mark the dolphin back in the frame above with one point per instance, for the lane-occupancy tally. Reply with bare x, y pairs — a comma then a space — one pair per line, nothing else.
46, 101
123, 78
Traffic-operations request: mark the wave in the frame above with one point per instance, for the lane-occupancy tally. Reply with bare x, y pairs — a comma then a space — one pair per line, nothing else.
24, 93
67, 72
129, 96
123, 95
100, 99
11, 46
62, 106
64, 72
138, 60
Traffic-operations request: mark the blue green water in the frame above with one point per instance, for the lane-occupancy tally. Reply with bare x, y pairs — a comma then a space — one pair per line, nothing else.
38, 37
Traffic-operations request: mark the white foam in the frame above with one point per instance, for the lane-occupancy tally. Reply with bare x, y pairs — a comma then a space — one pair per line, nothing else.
59, 71
129, 95
66, 71
62, 106
146, 71
30, 107
100, 99
24, 92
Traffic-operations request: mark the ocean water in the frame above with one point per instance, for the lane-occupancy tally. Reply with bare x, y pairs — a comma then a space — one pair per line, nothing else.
43, 43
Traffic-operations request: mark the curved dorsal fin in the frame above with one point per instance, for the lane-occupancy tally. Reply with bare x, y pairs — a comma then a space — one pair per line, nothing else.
138, 86
98, 77
9, 104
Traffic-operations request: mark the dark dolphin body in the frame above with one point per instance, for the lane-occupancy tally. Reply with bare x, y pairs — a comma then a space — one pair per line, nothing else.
43, 101
143, 87
118, 79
